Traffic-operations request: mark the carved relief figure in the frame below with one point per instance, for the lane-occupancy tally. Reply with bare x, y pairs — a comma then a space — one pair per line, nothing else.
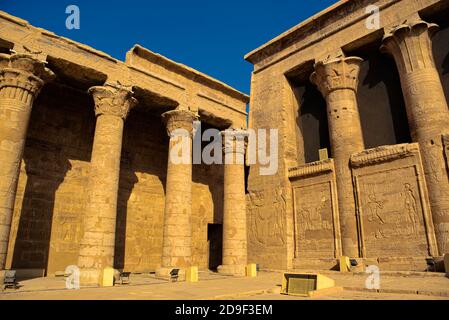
410, 207
375, 208
317, 219
267, 220
304, 222
311, 217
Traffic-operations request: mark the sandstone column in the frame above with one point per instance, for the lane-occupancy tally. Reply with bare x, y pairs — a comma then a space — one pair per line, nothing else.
427, 112
234, 205
337, 80
21, 78
112, 104
177, 238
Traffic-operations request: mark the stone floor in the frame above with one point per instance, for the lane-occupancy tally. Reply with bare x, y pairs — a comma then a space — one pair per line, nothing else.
408, 286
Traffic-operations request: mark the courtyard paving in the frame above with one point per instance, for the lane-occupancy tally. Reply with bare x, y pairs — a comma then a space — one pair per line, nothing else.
405, 286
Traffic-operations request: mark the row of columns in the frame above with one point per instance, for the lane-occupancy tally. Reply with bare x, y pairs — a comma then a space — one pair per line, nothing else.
427, 111
21, 78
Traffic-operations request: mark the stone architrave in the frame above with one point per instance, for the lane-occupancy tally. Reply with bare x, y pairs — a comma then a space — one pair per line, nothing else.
112, 105
21, 78
410, 44
234, 204
177, 236
337, 79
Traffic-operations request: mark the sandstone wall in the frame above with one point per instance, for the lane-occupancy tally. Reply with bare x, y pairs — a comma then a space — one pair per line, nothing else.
316, 215
275, 103
269, 205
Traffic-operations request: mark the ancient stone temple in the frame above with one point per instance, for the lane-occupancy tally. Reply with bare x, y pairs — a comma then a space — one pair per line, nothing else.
359, 93
358, 96
84, 173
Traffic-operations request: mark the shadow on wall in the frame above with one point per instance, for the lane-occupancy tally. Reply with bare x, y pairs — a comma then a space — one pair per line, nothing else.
141, 197
60, 133
311, 120
381, 103
207, 212
32, 245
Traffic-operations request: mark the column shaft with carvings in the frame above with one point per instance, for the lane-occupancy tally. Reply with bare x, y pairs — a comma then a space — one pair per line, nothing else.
112, 105
177, 237
21, 78
234, 205
411, 46
337, 80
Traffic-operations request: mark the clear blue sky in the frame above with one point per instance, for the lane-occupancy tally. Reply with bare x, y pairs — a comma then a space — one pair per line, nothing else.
209, 35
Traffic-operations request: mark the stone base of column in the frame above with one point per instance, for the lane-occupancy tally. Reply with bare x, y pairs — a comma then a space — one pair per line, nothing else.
164, 273
94, 277
235, 270
90, 277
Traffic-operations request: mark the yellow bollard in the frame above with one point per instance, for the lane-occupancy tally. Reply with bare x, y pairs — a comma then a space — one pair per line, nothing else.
192, 274
251, 270
345, 264
107, 278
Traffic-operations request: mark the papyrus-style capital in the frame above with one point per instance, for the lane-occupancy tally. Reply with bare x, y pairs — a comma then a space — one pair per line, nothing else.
24, 72
335, 74
113, 100
234, 141
411, 46
179, 119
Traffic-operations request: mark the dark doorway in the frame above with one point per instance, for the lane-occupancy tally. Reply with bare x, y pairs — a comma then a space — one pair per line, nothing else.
311, 118
215, 241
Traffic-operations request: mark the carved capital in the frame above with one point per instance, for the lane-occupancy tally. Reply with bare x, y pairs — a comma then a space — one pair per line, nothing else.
234, 141
335, 74
411, 45
179, 121
113, 100
23, 72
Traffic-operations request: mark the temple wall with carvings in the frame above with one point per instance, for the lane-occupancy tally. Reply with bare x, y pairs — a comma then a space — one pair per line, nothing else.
284, 97
394, 217
316, 215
